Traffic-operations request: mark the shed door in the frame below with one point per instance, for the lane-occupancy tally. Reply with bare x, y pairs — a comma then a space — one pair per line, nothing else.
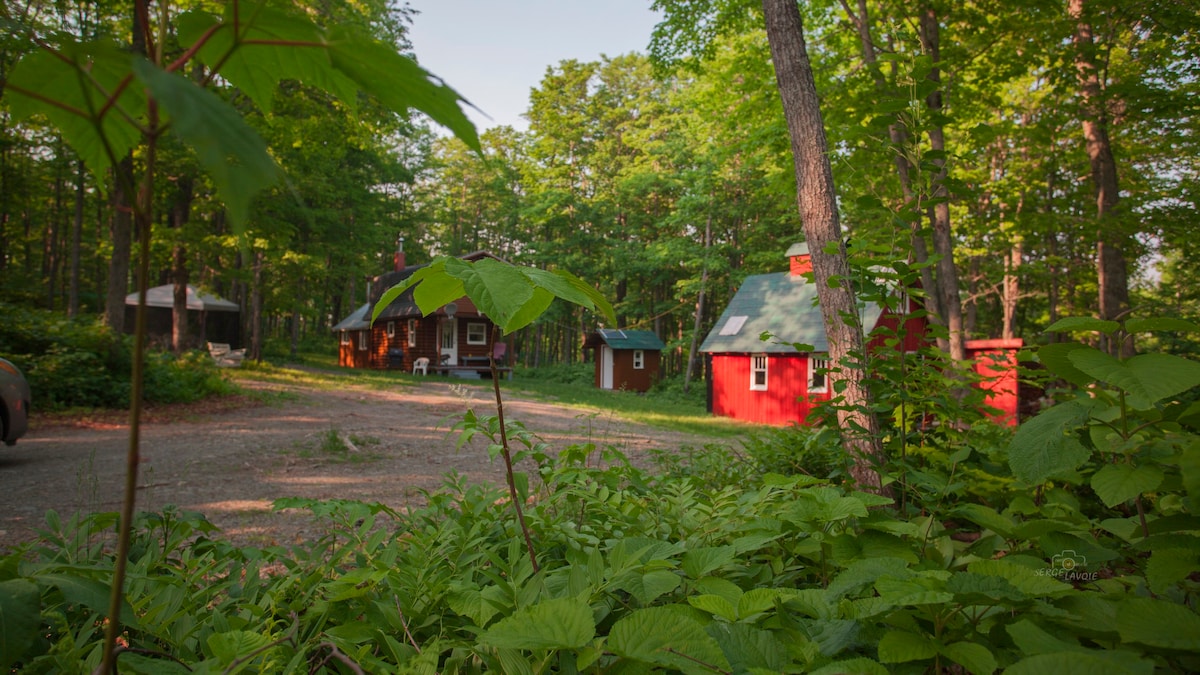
606, 367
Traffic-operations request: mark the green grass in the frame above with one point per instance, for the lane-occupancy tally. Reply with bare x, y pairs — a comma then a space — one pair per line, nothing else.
665, 407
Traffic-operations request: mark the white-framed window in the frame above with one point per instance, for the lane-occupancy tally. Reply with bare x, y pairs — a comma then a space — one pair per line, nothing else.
363, 340
639, 359
758, 372
412, 332
345, 337
477, 333
391, 329
818, 377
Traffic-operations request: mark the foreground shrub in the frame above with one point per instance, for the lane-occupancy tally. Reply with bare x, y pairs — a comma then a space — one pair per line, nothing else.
73, 364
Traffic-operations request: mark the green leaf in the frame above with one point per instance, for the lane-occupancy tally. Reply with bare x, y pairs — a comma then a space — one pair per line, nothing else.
1158, 623
977, 589
698, 562
665, 636
1031, 582
1118, 483
1057, 359
1097, 662
231, 152
90, 593
274, 45
1082, 323
1161, 323
71, 88
715, 605
498, 289
859, 666
1033, 639
1146, 378
1041, 448
231, 645
650, 585
986, 517
897, 646
747, 647
563, 623
478, 605
398, 82
1168, 567
976, 658
20, 619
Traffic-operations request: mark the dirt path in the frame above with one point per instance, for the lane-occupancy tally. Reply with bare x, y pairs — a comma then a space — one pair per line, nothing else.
230, 463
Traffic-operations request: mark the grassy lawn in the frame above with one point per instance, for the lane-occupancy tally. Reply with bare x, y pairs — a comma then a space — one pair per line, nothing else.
665, 407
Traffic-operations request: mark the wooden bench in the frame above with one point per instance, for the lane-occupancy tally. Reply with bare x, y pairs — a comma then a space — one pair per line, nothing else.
224, 356
471, 372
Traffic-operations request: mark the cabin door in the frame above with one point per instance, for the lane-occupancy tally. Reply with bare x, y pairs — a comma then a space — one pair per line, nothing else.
450, 342
606, 367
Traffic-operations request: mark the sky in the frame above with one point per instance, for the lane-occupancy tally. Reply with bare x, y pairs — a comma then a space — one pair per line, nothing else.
493, 53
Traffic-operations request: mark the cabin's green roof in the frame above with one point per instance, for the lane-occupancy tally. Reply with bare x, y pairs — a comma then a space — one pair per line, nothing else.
783, 305
629, 339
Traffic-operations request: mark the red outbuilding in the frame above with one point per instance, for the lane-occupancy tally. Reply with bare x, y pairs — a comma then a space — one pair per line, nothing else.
772, 382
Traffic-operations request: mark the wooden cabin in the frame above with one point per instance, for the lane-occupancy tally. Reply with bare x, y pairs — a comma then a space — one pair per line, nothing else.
625, 359
456, 338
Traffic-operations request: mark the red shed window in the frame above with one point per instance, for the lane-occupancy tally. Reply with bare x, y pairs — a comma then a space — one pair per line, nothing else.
758, 372
818, 382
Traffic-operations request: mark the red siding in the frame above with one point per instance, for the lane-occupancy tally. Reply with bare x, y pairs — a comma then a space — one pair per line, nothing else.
996, 363
783, 402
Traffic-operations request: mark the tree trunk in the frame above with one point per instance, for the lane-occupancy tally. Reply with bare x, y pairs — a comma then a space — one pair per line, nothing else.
256, 309
949, 297
180, 212
76, 241
691, 358
817, 202
1111, 266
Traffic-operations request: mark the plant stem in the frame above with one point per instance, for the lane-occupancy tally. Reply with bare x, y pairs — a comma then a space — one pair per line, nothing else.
508, 467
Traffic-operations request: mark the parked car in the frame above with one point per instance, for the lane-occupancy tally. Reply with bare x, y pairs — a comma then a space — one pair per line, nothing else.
14, 403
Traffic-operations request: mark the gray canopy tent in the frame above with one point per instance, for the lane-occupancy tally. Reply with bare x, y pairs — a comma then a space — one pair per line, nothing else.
210, 318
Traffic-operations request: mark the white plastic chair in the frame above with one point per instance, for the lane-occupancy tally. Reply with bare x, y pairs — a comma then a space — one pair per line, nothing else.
421, 364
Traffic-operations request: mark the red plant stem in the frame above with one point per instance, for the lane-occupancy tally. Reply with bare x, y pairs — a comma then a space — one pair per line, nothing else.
508, 466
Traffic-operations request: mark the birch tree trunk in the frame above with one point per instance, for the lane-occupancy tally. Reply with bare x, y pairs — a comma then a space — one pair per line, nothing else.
818, 213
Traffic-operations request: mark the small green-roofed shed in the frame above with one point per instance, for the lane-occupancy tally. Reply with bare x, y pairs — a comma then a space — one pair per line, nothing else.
625, 359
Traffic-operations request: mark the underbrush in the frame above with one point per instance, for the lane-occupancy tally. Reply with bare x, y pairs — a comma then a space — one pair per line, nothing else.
83, 364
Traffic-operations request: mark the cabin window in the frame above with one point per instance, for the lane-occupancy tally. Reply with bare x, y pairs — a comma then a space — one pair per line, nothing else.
639, 359
758, 372
818, 377
391, 329
412, 332
345, 337
477, 333
362, 340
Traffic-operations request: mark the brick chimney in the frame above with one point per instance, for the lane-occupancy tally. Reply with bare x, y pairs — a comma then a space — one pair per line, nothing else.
399, 261
800, 259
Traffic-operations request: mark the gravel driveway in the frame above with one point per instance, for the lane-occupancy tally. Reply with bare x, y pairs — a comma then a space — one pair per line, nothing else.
231, 459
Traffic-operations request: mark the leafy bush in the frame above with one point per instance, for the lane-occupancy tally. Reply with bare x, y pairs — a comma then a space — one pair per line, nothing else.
84, 364
562, 373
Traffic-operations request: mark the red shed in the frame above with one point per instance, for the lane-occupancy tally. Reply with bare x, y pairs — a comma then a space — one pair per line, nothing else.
773, 383
625, 359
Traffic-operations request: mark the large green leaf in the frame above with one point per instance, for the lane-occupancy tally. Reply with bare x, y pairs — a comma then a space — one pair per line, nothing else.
974, 657
562, 623
398, 82
20, 619
498, 289
1083, 323
748, 647
1146, 378
72, 89
698, 562
665, 636
1159, 623
1032, 639
273, 45
90, 593
898, 646
1118, 483
1057, 359
1161, 323
1092, 662
1041, 448
231, 152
